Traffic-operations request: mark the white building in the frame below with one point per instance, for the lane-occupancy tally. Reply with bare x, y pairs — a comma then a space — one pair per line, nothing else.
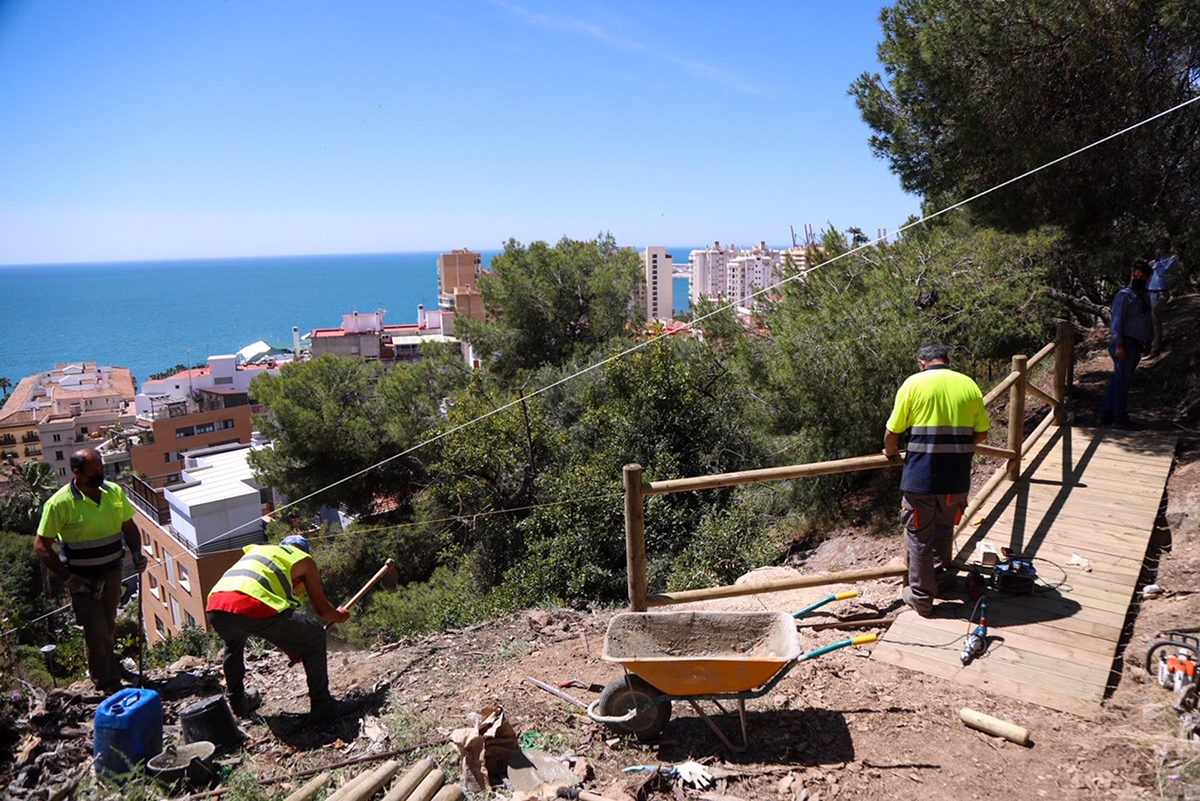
216, 497
658, 267
729, 274
222, 371
709, 268
751, 271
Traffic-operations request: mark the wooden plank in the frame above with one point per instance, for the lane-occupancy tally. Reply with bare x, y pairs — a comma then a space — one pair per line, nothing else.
999, 685
1042, 655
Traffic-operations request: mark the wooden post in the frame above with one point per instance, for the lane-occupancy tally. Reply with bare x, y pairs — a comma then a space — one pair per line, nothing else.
1016, 416
635, 537
1064, 356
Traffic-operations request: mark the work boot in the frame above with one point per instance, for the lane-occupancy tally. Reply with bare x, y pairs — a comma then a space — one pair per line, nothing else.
324, 710
243, 705
906, 595
947, 584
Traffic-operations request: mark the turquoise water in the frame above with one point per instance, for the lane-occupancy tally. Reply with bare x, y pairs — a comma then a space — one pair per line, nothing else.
148, 315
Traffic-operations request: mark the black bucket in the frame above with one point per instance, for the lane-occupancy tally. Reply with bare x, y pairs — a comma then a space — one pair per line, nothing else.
190, 763
211, 720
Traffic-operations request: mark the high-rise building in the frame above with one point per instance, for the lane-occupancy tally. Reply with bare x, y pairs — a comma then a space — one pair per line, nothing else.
658, 268
458, 286
709, 268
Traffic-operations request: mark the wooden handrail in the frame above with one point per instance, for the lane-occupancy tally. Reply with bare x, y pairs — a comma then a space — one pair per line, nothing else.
1041, 354
999, 389
1017, 385
851, 465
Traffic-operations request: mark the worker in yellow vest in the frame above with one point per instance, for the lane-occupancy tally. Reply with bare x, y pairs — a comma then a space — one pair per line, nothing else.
260, 596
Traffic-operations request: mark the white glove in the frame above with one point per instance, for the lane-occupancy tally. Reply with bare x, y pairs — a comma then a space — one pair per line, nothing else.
694, 773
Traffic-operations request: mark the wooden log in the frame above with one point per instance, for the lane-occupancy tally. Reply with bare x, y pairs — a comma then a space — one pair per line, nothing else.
1037, 432
635, 537
314, 786
998, 390
1016, 416
375, 781
994, 726
427, 789
815, 580
1062, 369
1045, 397
451, 792
992, 450
402, 789
351, 784
853, 464
1041, 354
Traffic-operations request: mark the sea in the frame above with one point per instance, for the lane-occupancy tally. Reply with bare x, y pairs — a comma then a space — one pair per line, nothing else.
151, 315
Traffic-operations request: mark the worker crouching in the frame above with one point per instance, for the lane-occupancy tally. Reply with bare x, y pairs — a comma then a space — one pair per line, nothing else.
259, 596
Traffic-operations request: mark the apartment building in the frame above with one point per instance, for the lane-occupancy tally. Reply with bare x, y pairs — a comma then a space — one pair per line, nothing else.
52, 414
192, 532
221, 372
658, 268
752, 270
458, 286
709, 272
369, 337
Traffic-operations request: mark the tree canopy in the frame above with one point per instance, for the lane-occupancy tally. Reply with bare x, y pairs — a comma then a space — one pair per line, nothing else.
547, 304
980, 92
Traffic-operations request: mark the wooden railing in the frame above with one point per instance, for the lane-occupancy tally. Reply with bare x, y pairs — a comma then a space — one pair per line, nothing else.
1016, 383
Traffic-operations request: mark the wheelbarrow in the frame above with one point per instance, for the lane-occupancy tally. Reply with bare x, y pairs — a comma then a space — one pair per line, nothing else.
699, 656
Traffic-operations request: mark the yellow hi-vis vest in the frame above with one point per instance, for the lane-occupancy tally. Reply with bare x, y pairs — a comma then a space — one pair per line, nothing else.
264, 573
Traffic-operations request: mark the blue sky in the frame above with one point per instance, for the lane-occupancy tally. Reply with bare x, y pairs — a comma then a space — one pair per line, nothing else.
153, 130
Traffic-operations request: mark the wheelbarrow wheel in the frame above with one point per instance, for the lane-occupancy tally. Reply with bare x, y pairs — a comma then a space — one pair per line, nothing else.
628, 693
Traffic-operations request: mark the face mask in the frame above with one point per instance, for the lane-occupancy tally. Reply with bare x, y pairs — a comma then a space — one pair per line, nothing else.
1138, 284
93, 481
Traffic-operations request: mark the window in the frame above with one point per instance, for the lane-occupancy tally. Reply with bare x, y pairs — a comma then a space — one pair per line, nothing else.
183, 578
159, 627
206, 428
191, 621
154, 590
58, 455
167, 457
175, 616
58, 438
186, 431
223, 380
169, 565
62, 471
226, 424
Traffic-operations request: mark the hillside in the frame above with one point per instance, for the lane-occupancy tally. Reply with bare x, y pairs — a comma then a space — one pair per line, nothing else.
843, 726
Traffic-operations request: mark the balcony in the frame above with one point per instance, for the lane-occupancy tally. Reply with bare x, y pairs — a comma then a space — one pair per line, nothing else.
8, 439
30, 436
32, 450
148, 499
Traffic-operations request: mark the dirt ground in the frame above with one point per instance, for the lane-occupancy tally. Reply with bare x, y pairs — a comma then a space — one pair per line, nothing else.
842, 726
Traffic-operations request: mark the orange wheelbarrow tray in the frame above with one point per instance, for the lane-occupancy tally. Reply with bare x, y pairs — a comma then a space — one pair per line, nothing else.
697, 656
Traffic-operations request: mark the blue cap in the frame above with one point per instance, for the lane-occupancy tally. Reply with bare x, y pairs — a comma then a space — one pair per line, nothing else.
296, 541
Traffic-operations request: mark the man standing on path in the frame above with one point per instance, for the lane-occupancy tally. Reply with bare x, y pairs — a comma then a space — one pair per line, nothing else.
259, 596
1129, 332
93, 520
944, 413
1159, 288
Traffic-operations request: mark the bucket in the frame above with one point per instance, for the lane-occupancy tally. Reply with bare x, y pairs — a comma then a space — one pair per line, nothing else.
128, 730
210, 719
189, 762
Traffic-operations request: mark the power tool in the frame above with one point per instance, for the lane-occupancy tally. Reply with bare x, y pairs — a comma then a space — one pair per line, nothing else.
1016, 574
976, 642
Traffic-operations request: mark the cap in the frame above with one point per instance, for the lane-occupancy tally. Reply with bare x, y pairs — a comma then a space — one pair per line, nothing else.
296, 541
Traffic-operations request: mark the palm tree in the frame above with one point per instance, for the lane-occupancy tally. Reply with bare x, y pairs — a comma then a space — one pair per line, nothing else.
21, 511
5, 386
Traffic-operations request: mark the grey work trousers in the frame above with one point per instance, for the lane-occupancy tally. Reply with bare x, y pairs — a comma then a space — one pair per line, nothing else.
929, 521
292, 632
97, 613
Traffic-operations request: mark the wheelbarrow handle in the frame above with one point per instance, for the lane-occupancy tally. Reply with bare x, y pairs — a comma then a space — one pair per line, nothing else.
628, 716
839, 596
861, 639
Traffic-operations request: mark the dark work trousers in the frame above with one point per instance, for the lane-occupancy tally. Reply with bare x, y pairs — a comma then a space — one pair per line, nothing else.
98, 616
296, 634
930, 522
1114, 406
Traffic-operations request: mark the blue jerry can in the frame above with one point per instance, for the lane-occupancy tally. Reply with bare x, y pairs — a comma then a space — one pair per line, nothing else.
128, 731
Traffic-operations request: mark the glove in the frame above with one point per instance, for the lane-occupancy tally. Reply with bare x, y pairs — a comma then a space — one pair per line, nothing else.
77, 585
694, 773
139, 561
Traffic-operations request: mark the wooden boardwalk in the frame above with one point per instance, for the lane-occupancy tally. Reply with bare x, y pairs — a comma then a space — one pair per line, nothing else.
1091, 493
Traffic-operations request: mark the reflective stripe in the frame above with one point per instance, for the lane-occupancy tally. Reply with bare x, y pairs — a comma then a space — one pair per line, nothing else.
282, 577
253, 575
93, 553
956, 431
941, 447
